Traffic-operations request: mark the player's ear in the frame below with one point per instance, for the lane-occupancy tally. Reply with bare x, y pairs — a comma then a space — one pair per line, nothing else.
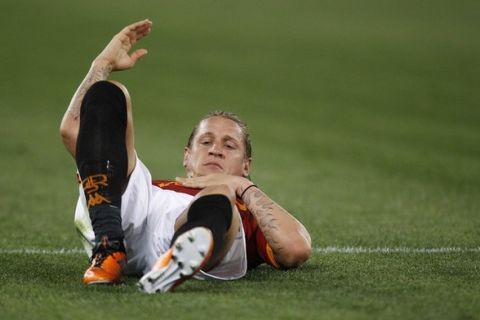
186, 155
247, 164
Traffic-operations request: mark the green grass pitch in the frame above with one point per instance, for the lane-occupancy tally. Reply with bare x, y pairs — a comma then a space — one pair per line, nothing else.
365, 121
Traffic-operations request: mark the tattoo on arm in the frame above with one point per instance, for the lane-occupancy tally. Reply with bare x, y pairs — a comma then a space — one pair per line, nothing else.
94, 75
263, 208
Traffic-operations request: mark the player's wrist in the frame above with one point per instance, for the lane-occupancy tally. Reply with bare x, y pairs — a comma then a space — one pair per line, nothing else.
102, 63
247, 188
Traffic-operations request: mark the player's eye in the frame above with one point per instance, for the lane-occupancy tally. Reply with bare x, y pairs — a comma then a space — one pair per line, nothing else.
205, 142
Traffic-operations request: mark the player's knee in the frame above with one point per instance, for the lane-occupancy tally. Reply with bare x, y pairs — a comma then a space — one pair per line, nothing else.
221, 189
213, 206
104, 102
124, 89
213, 211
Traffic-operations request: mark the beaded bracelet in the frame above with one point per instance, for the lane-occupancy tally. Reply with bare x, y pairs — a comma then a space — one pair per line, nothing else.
252, 185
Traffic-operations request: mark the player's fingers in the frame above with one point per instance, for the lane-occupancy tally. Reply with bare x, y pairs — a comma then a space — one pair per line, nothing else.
136, 35
189, 182
180, 180
137, 54
143, 31
139, 24
140, 28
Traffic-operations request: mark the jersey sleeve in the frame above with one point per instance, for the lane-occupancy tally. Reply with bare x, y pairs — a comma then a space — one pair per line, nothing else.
264, 249
258, 249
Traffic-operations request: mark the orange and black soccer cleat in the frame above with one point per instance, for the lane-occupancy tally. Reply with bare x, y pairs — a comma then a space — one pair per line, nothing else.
190, 252
108, 261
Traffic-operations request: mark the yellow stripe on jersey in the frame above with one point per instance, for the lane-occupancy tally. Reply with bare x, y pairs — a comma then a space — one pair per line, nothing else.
271, 257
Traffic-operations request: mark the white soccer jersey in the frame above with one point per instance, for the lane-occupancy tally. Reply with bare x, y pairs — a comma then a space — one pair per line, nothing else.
148, 218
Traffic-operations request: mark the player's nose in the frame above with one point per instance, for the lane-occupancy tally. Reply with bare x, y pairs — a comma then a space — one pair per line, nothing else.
215, 151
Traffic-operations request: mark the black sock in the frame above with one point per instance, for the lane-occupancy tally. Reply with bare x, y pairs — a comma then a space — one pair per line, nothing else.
101, 157
213, 212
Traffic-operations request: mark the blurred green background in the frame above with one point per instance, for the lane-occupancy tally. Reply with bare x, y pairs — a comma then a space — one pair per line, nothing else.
364, 115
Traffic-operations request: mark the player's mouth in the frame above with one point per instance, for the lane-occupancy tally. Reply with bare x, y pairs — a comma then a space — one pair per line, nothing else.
214, 165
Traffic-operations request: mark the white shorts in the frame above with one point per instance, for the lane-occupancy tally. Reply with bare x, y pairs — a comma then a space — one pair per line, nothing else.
148, 218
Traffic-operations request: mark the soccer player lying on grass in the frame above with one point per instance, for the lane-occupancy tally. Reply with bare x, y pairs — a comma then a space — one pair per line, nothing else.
215, 223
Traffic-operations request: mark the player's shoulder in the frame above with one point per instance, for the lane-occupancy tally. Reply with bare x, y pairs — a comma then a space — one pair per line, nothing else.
174, 186
165, 184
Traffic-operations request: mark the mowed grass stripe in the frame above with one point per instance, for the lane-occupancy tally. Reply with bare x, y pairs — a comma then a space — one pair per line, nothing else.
316, 250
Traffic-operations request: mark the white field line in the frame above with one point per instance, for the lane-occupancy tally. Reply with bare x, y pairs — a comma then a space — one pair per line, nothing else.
406, 250
42, 251
316, 250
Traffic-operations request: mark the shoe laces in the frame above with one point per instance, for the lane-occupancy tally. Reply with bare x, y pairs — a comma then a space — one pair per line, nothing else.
105, 248
99, 258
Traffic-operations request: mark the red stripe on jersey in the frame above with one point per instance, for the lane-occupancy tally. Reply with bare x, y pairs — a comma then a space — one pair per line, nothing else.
257, 245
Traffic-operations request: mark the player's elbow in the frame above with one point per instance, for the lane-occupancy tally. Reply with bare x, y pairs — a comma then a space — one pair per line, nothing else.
69, 137
298, 253
65, 133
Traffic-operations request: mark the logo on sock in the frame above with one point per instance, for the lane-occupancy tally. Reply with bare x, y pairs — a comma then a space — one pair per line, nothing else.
91, 185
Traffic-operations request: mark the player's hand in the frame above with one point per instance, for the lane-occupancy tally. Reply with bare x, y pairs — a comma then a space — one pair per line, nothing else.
237, 183
116, 53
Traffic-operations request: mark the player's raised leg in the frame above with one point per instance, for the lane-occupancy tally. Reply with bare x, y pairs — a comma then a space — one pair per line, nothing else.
102, 159
204, 234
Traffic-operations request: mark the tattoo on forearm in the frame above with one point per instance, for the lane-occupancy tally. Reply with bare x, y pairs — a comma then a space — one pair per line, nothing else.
97, 74
262, 208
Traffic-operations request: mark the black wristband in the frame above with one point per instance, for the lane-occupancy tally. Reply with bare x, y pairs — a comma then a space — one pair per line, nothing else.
252, 185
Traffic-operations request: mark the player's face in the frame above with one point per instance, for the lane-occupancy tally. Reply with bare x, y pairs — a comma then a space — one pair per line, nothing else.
218, 147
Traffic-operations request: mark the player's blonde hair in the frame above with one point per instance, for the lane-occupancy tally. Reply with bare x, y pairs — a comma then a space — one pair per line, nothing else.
234, 118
